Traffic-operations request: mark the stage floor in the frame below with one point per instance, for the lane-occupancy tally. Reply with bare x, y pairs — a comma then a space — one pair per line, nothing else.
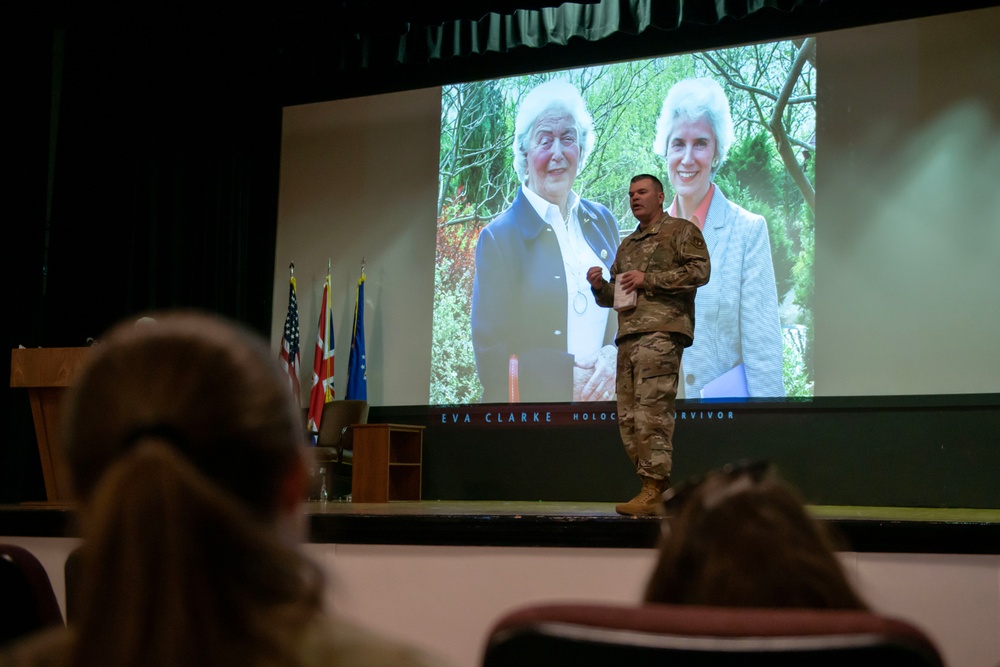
569, 524
569, 509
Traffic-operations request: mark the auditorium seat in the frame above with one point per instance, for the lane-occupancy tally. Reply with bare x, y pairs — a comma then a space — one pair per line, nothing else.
27, 601
334, 443
585, 635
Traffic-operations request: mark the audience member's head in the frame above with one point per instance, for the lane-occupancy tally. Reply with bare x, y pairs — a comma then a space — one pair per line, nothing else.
185, 449
742, 537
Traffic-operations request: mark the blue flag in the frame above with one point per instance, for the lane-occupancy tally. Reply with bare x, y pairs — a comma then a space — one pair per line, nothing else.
357, 377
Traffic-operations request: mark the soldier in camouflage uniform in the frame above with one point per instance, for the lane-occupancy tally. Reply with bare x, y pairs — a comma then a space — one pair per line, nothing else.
663, 262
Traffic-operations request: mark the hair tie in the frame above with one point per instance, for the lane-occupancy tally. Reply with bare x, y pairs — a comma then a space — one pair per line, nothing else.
166, 432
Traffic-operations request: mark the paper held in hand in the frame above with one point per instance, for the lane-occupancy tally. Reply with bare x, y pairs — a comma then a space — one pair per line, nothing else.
624, 301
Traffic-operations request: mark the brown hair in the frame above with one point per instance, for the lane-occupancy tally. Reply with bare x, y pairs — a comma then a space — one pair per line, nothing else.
180, 436
737, 541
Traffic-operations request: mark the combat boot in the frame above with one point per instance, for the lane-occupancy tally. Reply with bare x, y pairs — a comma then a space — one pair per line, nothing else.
648, 502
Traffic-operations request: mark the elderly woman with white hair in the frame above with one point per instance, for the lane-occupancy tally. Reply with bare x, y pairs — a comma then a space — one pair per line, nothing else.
537, 332
737, 348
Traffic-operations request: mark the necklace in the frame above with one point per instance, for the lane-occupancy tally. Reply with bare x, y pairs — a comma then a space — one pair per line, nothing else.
580, 300
574, 263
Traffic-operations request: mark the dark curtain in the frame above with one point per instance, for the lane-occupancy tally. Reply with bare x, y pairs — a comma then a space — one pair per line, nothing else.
165, 187
352, 48
142, 174
25, 72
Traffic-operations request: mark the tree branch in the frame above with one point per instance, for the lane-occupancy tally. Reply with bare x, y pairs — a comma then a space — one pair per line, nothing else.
778, 129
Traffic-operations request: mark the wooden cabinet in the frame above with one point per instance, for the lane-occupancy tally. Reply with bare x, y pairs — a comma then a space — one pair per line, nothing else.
387, 462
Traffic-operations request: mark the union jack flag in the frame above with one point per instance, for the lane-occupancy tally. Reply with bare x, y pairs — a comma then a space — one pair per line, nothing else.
322, 385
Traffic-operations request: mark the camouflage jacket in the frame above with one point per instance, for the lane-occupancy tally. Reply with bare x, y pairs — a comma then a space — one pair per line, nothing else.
672, 254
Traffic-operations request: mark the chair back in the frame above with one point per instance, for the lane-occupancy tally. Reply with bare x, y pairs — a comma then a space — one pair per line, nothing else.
585, 635
27, 601
338, 416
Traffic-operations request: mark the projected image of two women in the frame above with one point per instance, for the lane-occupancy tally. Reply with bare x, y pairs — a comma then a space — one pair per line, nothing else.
533, 182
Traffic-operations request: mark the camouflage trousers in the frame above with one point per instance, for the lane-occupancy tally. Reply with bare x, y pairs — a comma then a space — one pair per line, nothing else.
648, 365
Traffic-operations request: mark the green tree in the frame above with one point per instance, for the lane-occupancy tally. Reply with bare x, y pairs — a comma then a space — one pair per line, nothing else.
453, 362
475, 147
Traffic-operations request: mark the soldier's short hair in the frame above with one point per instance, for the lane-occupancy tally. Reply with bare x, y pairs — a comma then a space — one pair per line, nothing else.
657, 182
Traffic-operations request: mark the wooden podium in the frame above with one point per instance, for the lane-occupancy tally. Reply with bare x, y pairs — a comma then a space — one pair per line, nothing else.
45, 373
387, 462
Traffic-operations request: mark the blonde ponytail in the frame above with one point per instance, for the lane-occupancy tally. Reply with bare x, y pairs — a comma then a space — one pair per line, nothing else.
178, 572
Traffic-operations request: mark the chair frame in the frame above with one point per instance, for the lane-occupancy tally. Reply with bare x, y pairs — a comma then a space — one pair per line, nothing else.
335, 444
26, 586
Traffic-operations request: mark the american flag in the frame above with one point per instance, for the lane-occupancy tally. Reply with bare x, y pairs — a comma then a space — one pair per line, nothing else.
289, 354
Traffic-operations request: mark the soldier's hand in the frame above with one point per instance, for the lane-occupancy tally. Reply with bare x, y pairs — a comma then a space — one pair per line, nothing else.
595, 277
631, 280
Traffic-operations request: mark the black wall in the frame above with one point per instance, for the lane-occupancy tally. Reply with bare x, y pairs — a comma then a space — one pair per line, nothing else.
919, 451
